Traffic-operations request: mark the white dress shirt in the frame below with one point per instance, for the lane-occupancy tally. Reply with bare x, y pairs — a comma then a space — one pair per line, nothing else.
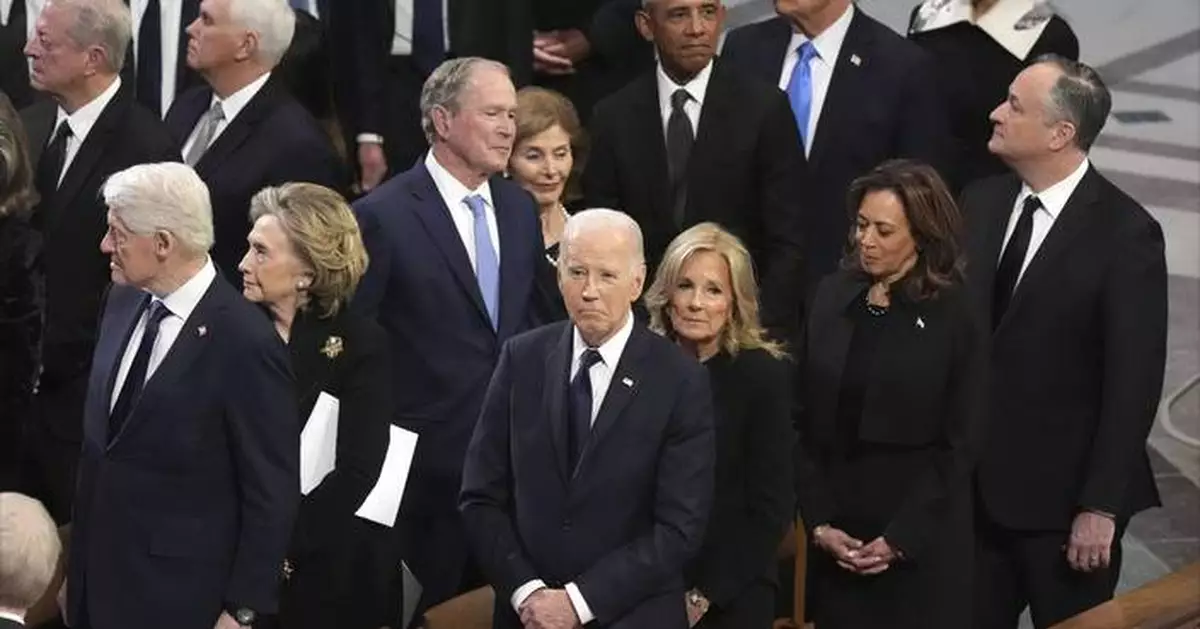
454, 195
600, 375
33, 8
1053, 199
82, 122
170, 13
402, 33
829, 46
696, 88
311, 7
180, 304
232, 106
13, 616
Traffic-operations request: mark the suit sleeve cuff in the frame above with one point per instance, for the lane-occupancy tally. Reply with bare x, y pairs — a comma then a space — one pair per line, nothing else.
581, 607
523, 592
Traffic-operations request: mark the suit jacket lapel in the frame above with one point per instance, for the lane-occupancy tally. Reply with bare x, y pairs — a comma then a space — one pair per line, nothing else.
433, 213
195, 336
626, 380
185, 113
109, 351
834, 345
240, 127
718, 108
848, 86
775, 48
513, 248
1069, 224
646, 124
40, 125
89, 154
554, 397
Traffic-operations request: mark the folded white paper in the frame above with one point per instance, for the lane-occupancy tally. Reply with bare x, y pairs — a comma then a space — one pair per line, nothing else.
383, 503
318, 443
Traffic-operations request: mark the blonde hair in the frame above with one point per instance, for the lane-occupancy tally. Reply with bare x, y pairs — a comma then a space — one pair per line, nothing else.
29, 549
322, 230
743, 330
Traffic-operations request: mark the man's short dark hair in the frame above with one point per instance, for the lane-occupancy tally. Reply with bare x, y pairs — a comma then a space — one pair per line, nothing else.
1080, 97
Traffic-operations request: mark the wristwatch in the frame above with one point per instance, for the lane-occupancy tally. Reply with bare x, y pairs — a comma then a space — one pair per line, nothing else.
697, 600
243, 616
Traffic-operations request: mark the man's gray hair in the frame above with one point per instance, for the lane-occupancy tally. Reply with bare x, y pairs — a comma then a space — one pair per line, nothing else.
166, 197
603, 219
273, 20
29, 549
1079, 97
104, 23
445, 86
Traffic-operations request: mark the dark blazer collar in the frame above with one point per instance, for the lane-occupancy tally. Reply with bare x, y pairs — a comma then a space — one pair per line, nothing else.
271, 96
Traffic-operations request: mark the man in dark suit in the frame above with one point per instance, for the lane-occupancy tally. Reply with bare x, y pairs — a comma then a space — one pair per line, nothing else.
90, 129
242, 131
29, 549
156, 64
1071, 273
17, 19
697, 141
589, 479
454, 250
861, 94
189, 476
391, 47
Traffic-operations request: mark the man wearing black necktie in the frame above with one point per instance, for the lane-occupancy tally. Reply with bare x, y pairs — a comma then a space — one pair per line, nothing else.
156, 63
1070, 273
695, 140
589, 477
89, 129
189, 474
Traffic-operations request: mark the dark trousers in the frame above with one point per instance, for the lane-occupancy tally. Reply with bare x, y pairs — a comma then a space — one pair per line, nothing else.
436, 549
754, 608
1018, 569
50, 448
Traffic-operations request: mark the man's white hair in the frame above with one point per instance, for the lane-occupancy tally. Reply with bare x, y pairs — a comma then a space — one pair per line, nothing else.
603, 219
273, 20
169, 197
104, 23
29, 549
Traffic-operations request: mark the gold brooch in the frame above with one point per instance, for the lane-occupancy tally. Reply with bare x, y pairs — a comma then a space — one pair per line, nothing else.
333, 347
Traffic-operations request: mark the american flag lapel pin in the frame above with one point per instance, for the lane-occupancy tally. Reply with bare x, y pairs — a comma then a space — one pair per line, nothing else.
920, 323
202, 331
627, 382
855, 59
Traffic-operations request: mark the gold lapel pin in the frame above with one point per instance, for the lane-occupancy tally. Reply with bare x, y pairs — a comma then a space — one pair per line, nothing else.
333, 347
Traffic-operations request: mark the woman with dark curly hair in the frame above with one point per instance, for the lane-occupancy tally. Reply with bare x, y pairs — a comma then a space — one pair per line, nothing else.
893, 383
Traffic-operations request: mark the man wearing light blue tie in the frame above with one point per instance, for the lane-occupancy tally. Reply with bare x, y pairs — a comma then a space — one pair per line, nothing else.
454, 249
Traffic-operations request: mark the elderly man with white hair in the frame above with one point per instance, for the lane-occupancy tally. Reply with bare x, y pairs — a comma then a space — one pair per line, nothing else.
589, 478
29, 548
188, 479
242, 131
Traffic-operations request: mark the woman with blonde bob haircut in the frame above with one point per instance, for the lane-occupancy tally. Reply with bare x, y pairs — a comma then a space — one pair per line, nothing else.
705, 298
305, 259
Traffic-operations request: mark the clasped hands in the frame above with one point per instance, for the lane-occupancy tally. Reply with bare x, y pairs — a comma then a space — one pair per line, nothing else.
852, 554
556, 52
549, 609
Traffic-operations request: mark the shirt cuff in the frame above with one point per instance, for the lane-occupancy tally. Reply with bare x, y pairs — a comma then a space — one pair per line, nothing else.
581, 607
524, 592
369, 138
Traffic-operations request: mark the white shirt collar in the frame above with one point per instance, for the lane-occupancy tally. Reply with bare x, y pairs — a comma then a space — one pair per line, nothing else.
85, 117
1055, 198
696, 88
183, 300
829, 42
13, 616
453, 190
238, 100
610, 350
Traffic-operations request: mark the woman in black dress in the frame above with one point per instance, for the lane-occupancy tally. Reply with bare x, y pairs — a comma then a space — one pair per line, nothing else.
305, 258
979, 47
546, 160
19, 287
893, 378
704, 297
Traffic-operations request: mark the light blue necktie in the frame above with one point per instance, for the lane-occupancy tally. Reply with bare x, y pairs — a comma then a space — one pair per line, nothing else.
487, 266
799, 89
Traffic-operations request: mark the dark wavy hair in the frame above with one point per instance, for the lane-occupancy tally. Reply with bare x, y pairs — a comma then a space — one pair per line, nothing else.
933, 219
17, 192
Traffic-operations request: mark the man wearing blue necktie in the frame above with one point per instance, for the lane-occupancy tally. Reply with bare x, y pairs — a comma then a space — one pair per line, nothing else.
454, 249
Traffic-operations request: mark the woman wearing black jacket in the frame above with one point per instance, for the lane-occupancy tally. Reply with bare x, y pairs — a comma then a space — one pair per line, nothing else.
305, 258
704, 297
893, 377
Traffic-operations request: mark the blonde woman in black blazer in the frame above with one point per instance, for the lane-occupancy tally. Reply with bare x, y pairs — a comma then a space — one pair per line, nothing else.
892, 377
305, 258
705, 298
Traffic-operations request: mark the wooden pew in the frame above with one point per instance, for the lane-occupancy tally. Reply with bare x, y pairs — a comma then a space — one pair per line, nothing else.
472, 610
1172, 602
795, 546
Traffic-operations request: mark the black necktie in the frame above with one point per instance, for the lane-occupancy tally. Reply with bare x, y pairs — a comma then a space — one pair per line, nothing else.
580, 411
1012, 260
131, 390
428, 41
149, 59
50, 166
680, 137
